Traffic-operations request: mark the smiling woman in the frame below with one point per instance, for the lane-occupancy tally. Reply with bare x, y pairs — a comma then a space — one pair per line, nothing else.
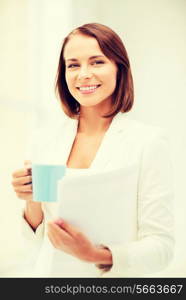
131, 203
88, 75
99, 67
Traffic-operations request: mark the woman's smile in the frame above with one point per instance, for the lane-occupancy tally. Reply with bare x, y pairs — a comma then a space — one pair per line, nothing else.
88, 89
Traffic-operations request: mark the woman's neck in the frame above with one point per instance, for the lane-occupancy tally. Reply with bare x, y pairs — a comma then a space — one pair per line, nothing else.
92, 123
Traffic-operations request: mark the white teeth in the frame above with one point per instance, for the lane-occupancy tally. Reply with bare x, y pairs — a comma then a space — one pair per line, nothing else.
88, 88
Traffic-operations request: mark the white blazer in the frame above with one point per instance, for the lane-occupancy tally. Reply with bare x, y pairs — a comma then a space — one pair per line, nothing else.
126, 143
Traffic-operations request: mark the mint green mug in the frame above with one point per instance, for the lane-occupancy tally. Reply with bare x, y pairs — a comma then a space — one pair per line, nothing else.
45, 181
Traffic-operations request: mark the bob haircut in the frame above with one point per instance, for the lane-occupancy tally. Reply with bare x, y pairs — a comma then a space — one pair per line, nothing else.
113, 48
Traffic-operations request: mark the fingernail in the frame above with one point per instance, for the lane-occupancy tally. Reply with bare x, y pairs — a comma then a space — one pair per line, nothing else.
59, 222
29, 171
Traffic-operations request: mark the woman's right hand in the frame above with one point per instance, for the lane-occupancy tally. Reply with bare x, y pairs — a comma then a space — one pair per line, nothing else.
22, 182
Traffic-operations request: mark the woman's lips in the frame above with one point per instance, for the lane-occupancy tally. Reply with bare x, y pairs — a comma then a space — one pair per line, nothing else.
88, 89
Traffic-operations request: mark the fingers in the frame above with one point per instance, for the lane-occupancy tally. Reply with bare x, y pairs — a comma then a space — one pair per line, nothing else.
28, 166
22, 184
58, 241
23, 188
25, 196
59, 222
27, 163
72, 242
52, 227
56, 230
21, 181
21, 173
73, 231
57, 235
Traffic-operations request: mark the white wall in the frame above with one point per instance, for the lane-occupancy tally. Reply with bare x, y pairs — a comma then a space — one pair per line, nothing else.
31, 35
154, 33
13, 124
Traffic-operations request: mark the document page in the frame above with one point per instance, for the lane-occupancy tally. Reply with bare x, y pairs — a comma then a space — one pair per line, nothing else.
103, 206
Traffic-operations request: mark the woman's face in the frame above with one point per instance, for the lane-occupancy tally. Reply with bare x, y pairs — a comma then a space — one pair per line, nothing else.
90, 75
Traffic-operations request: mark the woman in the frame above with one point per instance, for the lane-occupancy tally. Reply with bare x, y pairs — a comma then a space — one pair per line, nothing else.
95, 87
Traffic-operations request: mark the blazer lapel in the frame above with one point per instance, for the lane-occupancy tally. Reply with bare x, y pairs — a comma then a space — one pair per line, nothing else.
108, 148
111, 143
67, 138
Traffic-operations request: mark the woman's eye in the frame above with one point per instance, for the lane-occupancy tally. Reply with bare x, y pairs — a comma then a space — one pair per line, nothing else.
98, 62
72, 66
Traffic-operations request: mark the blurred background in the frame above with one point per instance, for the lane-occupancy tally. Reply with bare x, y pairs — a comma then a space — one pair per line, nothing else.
31, 34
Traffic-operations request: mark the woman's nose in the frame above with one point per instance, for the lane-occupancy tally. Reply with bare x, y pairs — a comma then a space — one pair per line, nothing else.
84, 73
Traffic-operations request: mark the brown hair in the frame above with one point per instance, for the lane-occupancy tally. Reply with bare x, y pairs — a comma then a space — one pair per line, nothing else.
113, 48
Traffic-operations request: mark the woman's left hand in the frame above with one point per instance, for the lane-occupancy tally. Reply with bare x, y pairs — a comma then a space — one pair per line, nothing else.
69, 239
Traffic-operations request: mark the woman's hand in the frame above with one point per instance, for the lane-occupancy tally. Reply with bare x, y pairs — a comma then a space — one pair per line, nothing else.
22, 182
69, 239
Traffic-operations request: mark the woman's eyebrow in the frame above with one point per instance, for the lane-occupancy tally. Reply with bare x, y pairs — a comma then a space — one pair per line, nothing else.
91, 57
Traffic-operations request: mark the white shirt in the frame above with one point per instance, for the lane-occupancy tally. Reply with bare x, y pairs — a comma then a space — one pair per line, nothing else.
126, 142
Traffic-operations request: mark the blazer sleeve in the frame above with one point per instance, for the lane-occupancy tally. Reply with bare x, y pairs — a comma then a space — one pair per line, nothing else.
39, 140
28, 233
154, 247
